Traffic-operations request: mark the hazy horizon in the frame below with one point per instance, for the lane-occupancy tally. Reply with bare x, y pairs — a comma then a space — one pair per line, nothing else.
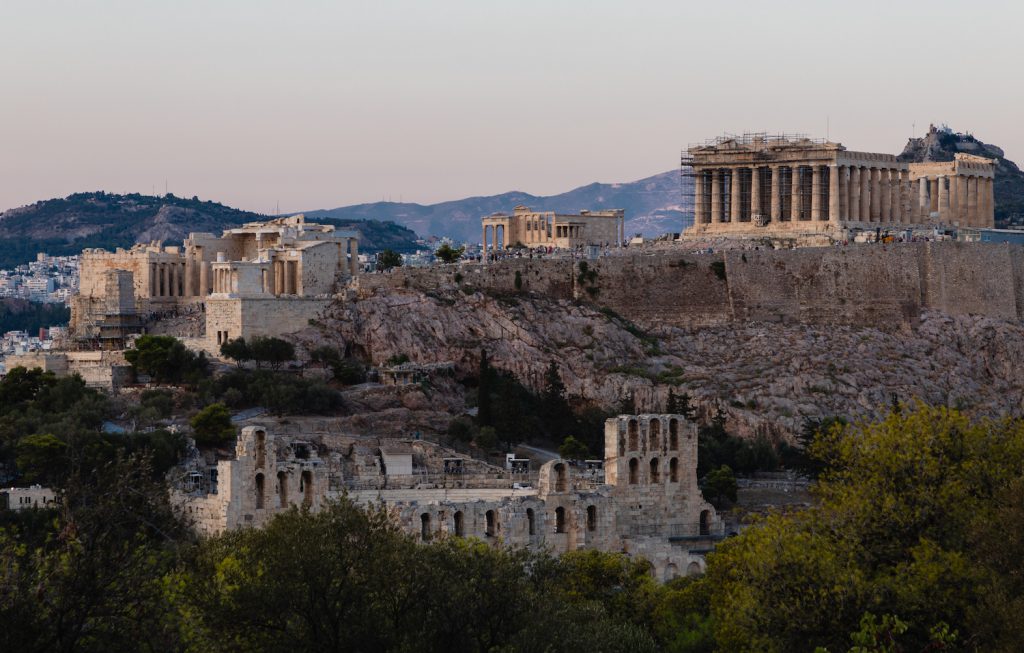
317, 105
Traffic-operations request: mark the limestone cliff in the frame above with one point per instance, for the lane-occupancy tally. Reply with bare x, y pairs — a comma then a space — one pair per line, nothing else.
768, 377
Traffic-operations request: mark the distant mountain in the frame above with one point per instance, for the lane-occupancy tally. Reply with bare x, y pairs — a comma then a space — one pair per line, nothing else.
69, 225
652, 207
941, 143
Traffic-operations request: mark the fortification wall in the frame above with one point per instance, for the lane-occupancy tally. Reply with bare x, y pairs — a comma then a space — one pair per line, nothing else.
874, 285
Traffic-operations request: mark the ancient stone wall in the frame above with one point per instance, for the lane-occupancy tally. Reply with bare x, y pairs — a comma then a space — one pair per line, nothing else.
866, 285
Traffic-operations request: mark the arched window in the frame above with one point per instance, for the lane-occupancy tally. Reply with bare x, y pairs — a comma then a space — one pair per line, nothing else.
559, 520
655, 470
634, 471
671, 571
282, 489
531, 521
259, 491
693, 569
490, 524
425, 527
673, 434
704, 526
654, 433
460, 524
591, 518
306, 487
634, 435
560, 477
261, 449
673, 470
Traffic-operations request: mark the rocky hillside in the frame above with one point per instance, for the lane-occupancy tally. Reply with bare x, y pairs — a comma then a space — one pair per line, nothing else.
769, 378
68, 225
940, 144
652, 207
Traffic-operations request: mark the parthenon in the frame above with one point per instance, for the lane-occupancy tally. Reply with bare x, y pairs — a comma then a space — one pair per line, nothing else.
756, 184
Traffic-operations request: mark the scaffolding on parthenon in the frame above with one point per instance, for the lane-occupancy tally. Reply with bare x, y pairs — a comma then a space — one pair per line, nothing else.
761, 146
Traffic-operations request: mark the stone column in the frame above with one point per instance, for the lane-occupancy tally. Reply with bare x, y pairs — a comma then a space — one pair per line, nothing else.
865, 194
190, 275
933, 195
698, 200
154, 283
716, 196
776, 207
833, 193
855, 193
816, 193
286, 277
354, 262
961, 199
922, 199
876, 195
943, 199
755, 194
483, 244
204, 278
972, 201
794, 194
734, 200
896, 198
885, 198
990, 203
954, 198
844, 193
164, 285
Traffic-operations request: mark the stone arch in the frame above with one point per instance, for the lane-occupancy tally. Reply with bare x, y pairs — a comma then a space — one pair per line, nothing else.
654, 434
693, 569
673, 434
671, 571
460, 524
705, 527
425, 527
655, 470
673, 470
261, 449
282, 489
634, 435
491, 525
531, 521
561, 480
306, 488
591, 518
259, 491
559, 519
634, 471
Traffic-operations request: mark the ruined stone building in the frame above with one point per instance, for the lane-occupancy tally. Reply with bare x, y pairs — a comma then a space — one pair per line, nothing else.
231, 276
758, 185
645, 501
550, 229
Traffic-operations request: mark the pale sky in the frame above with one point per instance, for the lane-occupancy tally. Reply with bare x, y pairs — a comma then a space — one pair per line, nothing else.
322, 104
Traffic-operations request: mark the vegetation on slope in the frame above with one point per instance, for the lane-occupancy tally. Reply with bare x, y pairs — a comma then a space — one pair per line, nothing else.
23, 315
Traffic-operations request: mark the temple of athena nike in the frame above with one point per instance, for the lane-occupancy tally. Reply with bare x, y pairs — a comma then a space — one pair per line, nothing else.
761, 185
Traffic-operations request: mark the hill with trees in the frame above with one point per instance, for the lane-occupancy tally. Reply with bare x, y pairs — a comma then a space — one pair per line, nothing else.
65, 226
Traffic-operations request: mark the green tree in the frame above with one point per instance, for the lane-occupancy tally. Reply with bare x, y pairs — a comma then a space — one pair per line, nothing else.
166, 360
212, 425
237, 350
556, 411
268, 349
719, 484
486, 438
448, 254
388, 259
573, 449
680, 405
42, 457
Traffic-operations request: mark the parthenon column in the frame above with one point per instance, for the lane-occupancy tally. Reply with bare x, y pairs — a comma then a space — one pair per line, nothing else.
854, 213
755, 194
960, 210
972, 202
922, 199
954, 198
698, 200
865, 195
990, 203
776, 194
876, 195
816, 193
833, 193
734, 201
943, 199
896, 198
716, 196
885, 199
794, 193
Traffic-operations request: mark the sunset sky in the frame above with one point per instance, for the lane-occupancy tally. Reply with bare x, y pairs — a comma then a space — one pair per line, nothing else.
322, 104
